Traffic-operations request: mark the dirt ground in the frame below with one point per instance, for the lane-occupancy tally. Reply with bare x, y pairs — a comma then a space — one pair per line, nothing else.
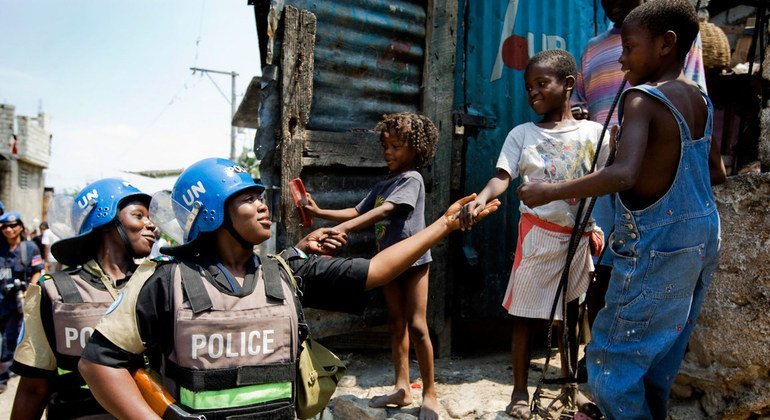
469, 387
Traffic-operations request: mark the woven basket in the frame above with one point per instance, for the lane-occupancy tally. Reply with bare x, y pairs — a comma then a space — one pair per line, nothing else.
716, 47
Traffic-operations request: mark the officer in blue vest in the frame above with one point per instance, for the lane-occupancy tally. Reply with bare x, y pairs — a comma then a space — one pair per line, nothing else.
102, 230
218, 317
20, 265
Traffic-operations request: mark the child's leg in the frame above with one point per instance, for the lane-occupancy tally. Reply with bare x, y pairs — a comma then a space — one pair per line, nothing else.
520, 358
399, 345
416, 295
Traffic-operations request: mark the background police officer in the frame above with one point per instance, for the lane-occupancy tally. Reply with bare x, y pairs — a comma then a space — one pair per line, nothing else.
104, 229
20, 265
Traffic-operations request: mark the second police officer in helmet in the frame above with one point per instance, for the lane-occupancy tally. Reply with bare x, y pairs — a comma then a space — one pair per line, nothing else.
103, 230
222, 319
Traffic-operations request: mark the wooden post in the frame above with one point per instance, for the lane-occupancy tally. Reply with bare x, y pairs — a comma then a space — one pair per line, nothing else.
299, 29
437, 101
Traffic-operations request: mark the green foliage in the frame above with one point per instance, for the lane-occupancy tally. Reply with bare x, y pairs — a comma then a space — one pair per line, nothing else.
248, 160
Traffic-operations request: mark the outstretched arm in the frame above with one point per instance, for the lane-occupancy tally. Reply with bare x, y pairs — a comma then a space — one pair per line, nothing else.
496, 186
395, 259
333, 215
620, 176
116, 391
367, 219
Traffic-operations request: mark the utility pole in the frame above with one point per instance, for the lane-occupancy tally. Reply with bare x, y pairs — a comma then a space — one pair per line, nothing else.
232, 75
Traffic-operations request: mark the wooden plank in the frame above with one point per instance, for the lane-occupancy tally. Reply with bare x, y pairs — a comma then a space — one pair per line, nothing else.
359, 149
437, 99
296, 95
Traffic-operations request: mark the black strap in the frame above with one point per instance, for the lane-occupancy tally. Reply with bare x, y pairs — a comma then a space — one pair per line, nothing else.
214, 379
304, 329
193, 285
272, 276
66, 286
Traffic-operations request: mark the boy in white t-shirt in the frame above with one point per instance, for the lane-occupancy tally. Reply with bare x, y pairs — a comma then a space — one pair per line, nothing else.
555, 149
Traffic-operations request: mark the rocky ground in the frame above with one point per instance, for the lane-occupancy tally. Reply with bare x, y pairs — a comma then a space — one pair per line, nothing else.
469, 387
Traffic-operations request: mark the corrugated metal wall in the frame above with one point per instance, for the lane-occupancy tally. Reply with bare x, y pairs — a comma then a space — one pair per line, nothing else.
368, 60
496, 39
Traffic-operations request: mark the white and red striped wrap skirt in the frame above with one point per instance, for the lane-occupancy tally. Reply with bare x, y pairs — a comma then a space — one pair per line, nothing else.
541, 252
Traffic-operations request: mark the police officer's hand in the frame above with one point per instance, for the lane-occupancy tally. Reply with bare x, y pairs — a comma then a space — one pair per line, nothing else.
454, 213
323, 241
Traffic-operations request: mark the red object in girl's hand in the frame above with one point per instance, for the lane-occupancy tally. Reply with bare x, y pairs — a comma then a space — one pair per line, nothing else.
298, 193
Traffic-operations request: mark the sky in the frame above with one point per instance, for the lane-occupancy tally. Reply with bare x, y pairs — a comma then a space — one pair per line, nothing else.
114, 78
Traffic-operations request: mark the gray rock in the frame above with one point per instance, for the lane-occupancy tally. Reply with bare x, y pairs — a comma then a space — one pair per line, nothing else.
729, 353
458, 409
349, 407
764, 137
347, 381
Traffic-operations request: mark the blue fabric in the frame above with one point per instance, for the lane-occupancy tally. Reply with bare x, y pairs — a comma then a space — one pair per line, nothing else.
664, 257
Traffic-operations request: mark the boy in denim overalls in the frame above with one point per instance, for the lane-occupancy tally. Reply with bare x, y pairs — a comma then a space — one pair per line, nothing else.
666, 240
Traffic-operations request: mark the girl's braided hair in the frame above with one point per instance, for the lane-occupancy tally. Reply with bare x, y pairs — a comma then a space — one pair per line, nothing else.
416, 129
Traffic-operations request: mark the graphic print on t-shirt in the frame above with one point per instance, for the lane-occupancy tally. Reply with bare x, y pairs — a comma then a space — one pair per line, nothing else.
381, 227
565, 159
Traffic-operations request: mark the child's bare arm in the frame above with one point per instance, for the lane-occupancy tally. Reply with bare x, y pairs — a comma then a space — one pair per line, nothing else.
620, 176
367, 219
716, 165
333, 215
496, 186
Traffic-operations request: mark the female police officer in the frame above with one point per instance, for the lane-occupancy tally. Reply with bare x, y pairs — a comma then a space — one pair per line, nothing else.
107, 227
227, 332
20, 265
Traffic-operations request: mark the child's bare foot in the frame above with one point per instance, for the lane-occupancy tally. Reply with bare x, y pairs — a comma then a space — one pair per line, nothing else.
518, 408
399, 398
429, 408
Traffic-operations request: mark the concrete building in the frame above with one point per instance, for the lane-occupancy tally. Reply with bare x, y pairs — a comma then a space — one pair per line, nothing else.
25, 150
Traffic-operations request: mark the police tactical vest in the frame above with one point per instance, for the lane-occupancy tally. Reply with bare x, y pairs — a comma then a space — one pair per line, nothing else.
76, 307
234, 357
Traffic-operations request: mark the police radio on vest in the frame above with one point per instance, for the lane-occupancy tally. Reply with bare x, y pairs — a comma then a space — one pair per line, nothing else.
243, 344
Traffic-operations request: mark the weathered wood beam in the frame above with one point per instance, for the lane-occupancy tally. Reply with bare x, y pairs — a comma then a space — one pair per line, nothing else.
299, 29
437, 101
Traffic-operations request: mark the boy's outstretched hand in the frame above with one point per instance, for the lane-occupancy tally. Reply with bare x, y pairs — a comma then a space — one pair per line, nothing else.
470, 211
323, 241
457, 211
534, 194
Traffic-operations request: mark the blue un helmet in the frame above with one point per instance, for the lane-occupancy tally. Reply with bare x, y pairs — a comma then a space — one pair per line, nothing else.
11, 217
199, 196
95, 206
